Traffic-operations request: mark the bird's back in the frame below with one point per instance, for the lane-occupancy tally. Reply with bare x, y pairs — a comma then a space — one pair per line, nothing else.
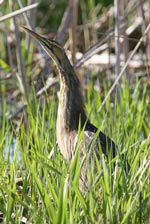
106, 143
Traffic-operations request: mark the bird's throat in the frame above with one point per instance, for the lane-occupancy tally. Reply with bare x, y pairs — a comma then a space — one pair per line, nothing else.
71, 107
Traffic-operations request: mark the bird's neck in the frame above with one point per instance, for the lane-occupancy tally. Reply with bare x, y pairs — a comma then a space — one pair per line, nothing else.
71, 105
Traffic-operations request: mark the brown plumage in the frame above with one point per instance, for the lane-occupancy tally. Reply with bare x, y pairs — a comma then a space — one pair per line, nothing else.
71, 110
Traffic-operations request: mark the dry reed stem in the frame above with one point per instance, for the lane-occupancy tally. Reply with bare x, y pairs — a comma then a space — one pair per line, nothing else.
17, 12
125, 66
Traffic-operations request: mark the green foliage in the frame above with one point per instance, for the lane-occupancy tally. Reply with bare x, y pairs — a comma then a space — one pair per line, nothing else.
49, 192
37, 183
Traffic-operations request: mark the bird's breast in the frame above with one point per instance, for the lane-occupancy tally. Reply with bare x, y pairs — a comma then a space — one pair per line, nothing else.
66, 138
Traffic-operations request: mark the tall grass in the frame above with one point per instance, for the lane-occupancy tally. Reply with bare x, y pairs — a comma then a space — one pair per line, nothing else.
37, 185
42, 187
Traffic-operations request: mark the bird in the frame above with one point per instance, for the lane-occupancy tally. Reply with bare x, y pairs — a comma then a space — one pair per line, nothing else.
71, 107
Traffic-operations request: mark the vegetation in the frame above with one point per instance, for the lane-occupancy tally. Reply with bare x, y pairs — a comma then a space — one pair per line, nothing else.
37, 185
40, 185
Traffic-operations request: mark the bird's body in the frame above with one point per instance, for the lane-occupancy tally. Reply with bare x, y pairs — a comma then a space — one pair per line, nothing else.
71, 111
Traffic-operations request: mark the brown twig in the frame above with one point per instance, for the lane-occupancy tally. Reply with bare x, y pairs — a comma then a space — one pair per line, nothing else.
65, 23
72, 30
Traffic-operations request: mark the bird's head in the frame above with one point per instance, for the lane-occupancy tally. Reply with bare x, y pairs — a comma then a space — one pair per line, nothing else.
53, 49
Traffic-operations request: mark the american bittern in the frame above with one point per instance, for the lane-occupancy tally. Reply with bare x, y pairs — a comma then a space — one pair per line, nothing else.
71, 111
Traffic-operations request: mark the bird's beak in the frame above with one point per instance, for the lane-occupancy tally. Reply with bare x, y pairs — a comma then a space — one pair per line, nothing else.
53, 49
36, 36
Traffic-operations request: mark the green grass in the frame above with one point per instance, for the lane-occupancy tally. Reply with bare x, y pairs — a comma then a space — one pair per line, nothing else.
48, 191
42, 187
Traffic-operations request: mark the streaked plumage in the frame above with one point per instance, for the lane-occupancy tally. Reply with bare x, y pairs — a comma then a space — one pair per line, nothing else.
71, 110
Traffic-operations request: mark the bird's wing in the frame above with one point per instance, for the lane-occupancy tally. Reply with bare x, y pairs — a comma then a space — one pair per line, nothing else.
106, 143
